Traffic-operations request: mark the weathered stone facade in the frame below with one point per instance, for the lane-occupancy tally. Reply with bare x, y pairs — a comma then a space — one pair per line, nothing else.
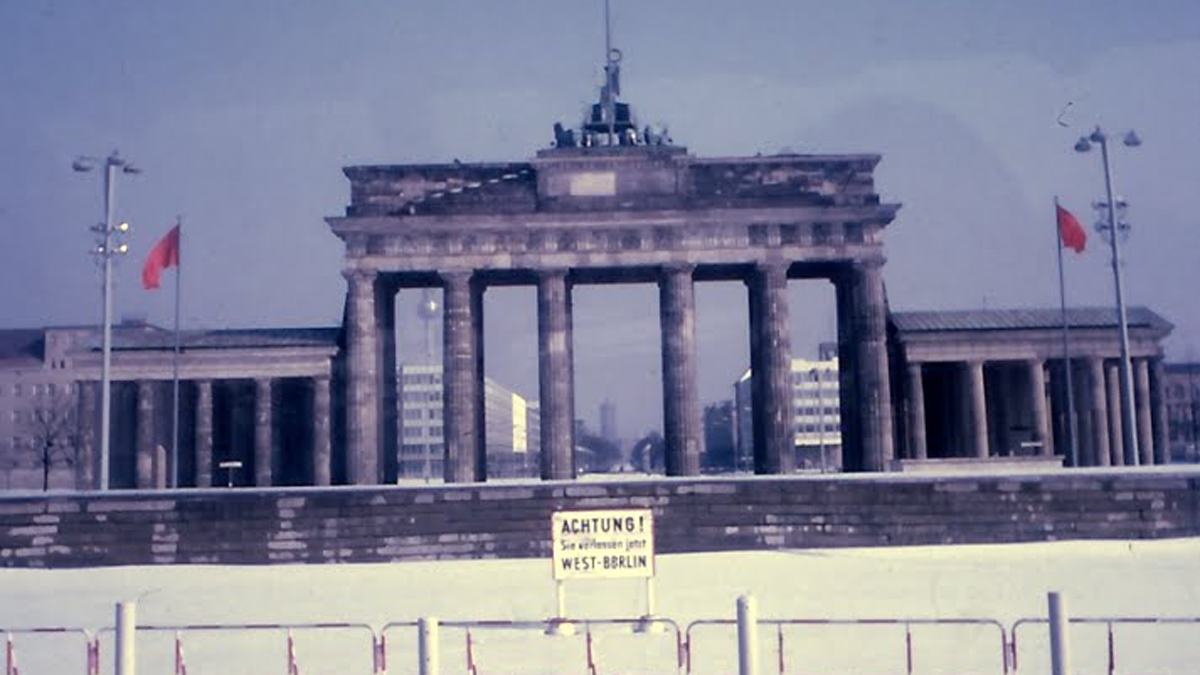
645, 213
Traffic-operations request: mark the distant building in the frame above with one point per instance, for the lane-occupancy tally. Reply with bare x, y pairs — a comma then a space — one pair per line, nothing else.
36, 378
991, 385
720, 437
817, 416
608, 422
511, 426
261, 397
1182, 384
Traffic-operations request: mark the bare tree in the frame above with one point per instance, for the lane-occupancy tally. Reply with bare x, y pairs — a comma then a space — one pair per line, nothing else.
53, 429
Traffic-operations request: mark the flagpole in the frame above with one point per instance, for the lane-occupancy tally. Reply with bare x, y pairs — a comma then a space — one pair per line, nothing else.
174, 482
1062, 298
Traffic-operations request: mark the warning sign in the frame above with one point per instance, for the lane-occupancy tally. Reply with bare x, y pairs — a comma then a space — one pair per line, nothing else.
603, 544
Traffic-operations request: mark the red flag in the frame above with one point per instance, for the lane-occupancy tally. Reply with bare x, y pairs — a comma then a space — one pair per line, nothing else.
1072, 233
164, 254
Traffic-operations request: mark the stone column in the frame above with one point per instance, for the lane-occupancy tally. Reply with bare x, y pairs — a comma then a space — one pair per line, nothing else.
85, 463
321, 442
460, 394
477, 291
1085, 435
771, 371
554, 375
388, 411
978, 409
1158, 412
144, 465
1098, 413
681, 403
204, 433
1145, 433
362, 363
851, 445
916, 413
874, 384
1040, 407
997, 392
263, 471
1112, 380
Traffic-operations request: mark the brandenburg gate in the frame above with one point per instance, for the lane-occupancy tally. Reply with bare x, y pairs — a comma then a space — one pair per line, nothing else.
635, 209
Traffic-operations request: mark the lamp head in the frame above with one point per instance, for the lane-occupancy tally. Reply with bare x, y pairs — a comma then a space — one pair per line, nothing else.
131, 169
83, 164
1082, 145
1131, 139
1097, 136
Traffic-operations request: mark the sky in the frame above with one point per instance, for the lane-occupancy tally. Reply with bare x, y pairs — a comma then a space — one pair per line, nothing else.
242, 115
1003, 583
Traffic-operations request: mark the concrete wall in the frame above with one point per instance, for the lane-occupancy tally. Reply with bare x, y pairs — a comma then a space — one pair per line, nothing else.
316, 525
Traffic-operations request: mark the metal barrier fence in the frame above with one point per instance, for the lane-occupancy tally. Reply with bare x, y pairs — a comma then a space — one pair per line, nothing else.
91, 645
285, 634
1109, 624
907, 624
600, 646
488, 647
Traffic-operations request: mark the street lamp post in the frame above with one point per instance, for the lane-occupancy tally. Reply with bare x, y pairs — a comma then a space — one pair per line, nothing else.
107, 247
1128, 432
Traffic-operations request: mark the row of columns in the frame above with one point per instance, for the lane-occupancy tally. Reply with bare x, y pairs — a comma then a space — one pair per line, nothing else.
1103, 440
1097, 403
151, 465
862, 334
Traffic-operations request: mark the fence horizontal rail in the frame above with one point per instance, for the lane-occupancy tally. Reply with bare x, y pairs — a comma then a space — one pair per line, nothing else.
1110, 622
904, 622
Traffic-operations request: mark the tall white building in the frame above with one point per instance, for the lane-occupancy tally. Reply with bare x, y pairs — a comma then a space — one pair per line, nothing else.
511, 430
815, 403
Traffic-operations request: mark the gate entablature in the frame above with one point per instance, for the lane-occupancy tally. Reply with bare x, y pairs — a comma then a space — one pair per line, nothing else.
618, 206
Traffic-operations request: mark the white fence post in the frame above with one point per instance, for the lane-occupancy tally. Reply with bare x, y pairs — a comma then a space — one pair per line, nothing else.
747, 618
124, 651
427, 646
1060, 644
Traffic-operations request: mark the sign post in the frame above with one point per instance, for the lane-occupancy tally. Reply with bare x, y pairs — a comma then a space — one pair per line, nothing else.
605, 544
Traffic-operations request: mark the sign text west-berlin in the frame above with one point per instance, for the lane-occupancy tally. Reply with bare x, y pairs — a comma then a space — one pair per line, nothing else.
602, 544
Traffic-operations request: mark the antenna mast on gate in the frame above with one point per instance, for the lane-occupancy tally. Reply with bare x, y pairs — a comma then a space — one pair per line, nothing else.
612, 74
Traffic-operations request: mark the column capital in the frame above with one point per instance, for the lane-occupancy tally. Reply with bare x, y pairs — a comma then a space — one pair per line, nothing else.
359, 276
673, 268
551, 272
772, 267
455, 276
